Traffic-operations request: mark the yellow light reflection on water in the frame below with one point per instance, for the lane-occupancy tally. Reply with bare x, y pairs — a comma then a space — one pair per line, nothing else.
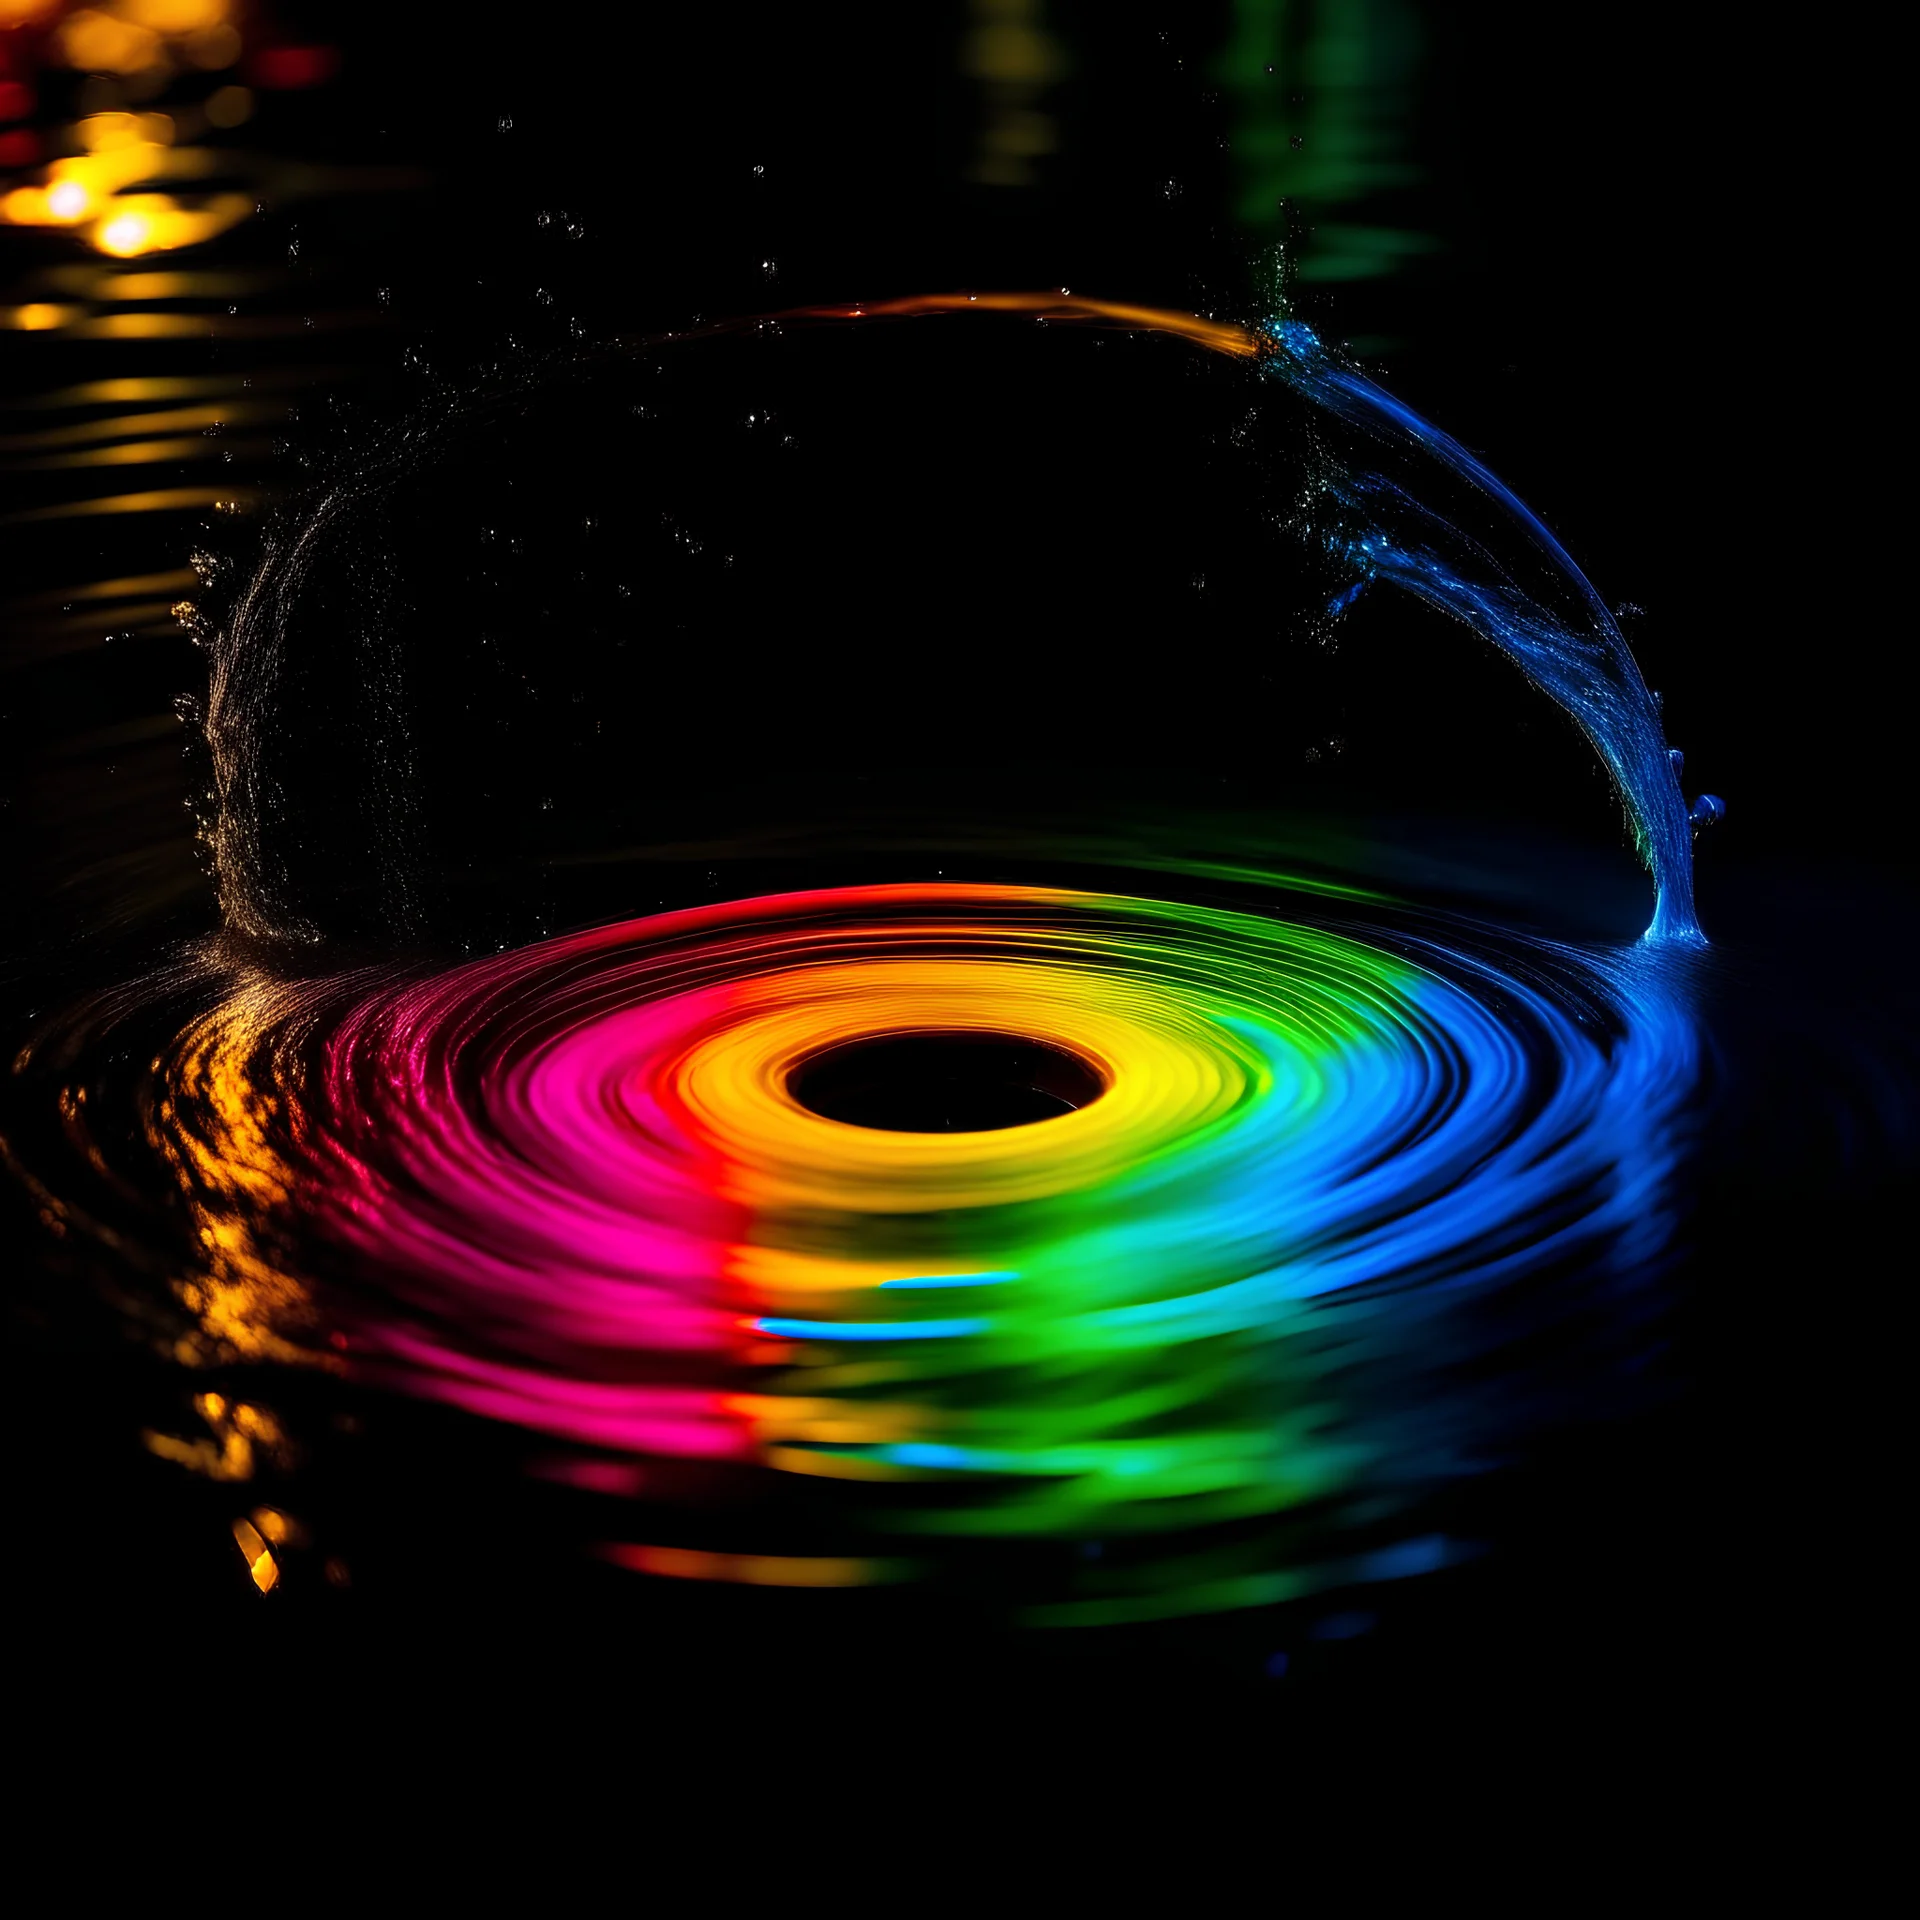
258, 1555
122, 589
83, 184
138, 426
89, 187
155, 500
128, 453
244, 1300
125, 233
279, 1529
111, 132
148, 286
96, 42
38, 316
145, 387
134, 48
174, 16
1009, 52
238, 1433
145, 326
157, 223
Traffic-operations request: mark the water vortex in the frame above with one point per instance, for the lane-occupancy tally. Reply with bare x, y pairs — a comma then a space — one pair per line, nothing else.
1250, 1297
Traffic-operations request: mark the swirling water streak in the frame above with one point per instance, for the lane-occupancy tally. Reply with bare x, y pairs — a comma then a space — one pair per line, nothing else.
1224, 1322
1573, 652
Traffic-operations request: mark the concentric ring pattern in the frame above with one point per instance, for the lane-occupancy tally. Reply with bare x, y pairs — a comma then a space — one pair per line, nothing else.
1267, 1274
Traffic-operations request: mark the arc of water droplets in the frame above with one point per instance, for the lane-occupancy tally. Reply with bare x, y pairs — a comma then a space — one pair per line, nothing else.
1575, 653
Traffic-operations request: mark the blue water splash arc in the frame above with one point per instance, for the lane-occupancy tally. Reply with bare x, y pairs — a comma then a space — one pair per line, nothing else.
1527, 598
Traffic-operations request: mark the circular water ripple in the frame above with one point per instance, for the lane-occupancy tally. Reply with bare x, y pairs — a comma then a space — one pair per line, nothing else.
1213, 1328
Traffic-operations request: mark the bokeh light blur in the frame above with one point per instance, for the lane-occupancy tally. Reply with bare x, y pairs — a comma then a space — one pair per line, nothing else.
128, 175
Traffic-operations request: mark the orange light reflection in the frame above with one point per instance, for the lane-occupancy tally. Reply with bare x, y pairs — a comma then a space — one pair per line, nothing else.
754, 1569
1219, 336
134, 48
257, 1554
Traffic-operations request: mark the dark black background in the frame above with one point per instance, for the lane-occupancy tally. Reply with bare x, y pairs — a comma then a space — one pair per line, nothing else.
1634, 318
1634, 315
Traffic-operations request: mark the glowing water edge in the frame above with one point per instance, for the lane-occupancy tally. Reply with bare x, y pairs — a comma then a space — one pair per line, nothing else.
1219, 1325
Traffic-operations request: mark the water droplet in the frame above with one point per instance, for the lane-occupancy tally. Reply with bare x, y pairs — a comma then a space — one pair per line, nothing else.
1707, 811
1677, 760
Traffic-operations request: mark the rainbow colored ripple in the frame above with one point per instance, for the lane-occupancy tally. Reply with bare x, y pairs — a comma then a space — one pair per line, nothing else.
1249, 1289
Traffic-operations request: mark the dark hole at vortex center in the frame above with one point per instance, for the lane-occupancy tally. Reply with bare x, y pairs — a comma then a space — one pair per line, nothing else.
944, 1082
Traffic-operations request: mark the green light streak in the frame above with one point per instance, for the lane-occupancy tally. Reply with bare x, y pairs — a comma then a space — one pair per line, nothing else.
1324, 92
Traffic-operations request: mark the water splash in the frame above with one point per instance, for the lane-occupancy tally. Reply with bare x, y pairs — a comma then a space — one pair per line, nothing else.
1406, 514
1389, 495
1230, 1323
1554, 627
